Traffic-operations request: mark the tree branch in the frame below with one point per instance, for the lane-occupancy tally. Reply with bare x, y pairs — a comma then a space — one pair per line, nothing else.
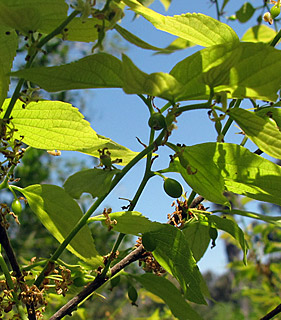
68, 308
272, 313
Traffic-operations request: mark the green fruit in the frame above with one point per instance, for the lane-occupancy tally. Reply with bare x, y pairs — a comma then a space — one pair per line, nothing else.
132, 294
157, 121
173, 188
148, 242
275, 11
16, 207
115, 281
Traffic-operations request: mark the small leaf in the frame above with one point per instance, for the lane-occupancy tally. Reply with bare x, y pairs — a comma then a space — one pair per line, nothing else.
59, 213
197, 236
270, 113
262, 132
259, 33
94, 181
166, 3
178, 44
134, 39
245, 12
198, 28
164, 289
99, 70
130, 222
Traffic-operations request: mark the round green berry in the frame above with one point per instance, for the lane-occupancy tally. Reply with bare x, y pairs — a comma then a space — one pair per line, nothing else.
16, 207
157, 121
173, 188
275, 11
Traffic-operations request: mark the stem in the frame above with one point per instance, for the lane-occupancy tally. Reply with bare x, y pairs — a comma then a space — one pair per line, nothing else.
276, 39
218, 10
41, 43
96, 204
229, 120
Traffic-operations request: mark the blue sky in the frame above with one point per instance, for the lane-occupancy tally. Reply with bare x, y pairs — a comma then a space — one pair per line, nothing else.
123, 117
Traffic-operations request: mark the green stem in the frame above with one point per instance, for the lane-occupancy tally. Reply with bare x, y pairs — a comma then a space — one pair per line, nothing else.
10, 285
229, 120
218, 10
96, 204
41, 43
276, 39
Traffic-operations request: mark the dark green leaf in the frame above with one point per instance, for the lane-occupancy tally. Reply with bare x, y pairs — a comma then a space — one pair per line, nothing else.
245, 12
164, 289
94, 181
59, 213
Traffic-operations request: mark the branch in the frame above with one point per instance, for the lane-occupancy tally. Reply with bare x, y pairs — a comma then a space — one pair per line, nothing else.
72, 305
272, 313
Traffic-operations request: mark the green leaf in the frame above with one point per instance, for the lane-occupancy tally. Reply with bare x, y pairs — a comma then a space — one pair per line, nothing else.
164, 289
262, 132
233, 229
198, 28
52, 125
200, 173
31, 15
225, 2
99, 70
173, 253
8, 48
94, 181
158, 84
269, 113
134, 39
59, 213
244, 70
245, 12
259, 33
130, 222
197, 236
178, 44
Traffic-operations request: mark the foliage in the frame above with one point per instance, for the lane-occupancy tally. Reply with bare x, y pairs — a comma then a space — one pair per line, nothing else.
224, 74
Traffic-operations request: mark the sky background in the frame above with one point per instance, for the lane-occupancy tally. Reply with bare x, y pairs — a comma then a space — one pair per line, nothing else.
123, 117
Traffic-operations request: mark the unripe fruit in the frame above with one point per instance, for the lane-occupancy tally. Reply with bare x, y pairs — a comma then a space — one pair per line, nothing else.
275, 11
16, 207
157, 121
114, 281
173, 188
79, 282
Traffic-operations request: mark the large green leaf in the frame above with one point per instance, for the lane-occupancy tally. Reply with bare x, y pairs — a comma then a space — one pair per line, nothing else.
94, 181
164, 289
198, 28
259, 33
200, 172
8, 47
99, 70
173, 253
197, 236
52, 125
263, 133
130, 222
59, 213
244, 70
31, 15
158, 84
243, 172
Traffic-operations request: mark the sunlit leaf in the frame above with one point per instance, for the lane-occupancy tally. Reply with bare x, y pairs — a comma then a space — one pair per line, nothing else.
166, 3
262, 132
223, 68
270, 113
100, 70
164, 289
178, 44
94, 181
198, 28
259, 33
59, 213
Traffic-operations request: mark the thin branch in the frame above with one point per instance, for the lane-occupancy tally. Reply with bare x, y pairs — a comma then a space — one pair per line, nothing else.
68, 308
272, 313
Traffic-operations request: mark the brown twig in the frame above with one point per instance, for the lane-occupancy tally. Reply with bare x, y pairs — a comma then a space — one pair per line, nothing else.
272, 313
196, 201
68, 308
6, 244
